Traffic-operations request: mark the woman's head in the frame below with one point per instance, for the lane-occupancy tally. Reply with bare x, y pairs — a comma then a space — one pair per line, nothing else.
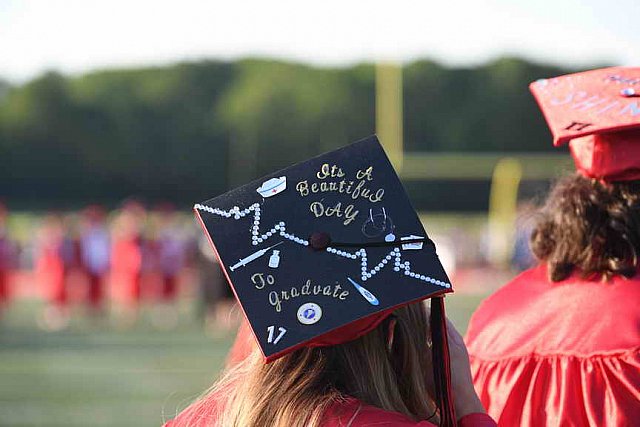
295, 390
589, 226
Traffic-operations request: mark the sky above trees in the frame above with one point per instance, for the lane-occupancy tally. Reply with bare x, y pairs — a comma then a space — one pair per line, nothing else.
75, 35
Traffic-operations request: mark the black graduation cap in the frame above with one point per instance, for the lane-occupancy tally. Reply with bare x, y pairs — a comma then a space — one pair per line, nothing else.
321, 252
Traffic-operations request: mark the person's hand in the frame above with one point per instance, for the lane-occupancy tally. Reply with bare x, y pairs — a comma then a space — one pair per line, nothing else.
464, 395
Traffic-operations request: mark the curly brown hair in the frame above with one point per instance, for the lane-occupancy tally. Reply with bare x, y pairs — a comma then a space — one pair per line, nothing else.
589, 226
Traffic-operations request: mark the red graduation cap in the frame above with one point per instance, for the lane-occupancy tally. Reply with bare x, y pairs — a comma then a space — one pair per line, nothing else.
598, 113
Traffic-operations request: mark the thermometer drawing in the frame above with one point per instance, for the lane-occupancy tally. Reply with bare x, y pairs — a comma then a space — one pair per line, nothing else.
246, 260
365, 292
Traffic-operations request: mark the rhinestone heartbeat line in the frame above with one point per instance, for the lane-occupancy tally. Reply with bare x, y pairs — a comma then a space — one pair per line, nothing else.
280, 228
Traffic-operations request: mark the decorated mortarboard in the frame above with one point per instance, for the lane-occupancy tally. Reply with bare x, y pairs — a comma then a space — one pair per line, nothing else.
320, 252
598, 113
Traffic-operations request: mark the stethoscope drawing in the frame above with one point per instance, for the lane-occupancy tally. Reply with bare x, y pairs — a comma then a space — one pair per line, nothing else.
379, 224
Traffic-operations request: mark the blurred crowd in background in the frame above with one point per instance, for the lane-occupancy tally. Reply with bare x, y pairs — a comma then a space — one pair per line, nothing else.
112, 263
108, 264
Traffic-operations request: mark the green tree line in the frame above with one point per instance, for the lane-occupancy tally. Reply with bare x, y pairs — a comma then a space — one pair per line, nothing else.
189, 131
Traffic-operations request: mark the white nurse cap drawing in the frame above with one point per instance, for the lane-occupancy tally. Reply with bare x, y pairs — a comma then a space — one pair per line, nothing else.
272, 187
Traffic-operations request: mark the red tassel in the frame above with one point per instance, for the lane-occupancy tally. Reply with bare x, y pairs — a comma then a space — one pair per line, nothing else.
441, 363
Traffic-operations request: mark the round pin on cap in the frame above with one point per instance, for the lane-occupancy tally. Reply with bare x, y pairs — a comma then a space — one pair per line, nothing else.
309, 313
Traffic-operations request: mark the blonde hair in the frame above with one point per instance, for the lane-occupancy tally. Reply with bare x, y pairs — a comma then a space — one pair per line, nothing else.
297, 389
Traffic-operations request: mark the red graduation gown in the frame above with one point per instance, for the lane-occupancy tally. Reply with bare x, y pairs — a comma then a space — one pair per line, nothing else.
349, 412
559, 354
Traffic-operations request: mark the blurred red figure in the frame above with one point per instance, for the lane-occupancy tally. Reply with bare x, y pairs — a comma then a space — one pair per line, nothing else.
126, 258
171, 251
50, 272
6, 259
168, 253
71, 255
95, 247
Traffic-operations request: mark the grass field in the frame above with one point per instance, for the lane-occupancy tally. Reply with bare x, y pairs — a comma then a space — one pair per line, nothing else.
91, 375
